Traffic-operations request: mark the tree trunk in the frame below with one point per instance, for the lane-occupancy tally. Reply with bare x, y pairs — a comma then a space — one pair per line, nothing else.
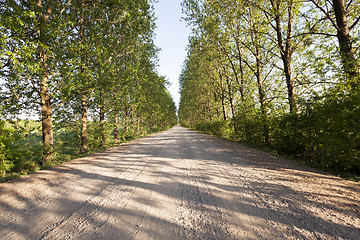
289, 83
102, 126
242, 78
46, 110
116, 127
84, 122
285, 51
218, 114
138, 125
261, 91
223, 97
132, 123
46, 121
126, 123
235, 74
84, 117
350, 64
231, 104
223, 108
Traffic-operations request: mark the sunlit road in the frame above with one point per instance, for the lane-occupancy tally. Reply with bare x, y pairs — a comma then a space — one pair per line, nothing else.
180, 184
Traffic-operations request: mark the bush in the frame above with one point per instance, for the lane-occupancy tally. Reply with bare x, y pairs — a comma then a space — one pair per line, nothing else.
326, 133
19, 148
219, 128
250, 128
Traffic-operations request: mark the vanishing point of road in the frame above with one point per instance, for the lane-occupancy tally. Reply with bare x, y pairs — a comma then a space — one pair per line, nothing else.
180, 184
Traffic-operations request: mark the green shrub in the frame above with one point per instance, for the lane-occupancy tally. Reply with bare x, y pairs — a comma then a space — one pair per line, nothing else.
326, 133
251, 128
219, 128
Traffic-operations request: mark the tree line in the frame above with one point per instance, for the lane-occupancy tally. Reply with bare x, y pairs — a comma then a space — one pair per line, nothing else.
281, 74
76, 63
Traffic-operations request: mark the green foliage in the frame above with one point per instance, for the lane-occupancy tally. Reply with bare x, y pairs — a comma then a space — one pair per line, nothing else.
326, 134
69, 59
20, 147
250, 128
5, 164
219, 128
268, 73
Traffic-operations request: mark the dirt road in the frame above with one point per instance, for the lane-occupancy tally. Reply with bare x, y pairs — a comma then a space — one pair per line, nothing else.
180, 184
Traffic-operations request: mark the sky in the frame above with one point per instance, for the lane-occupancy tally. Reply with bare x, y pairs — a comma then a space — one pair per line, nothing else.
172, 37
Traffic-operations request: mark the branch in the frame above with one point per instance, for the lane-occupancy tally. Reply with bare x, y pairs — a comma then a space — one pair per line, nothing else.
316, 33
68, 4
6, 99
350, 2
62, 102
252, 69
356, 49
354, 24
274, 65
326, 14
307, 34
103, 20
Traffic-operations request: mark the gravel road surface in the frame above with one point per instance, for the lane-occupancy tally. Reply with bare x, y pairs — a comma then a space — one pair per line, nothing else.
180, 184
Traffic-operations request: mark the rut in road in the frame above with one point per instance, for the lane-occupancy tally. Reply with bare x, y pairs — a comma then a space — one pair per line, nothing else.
180, 184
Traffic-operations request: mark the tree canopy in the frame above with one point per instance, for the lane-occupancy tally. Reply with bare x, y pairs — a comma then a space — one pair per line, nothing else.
75, 62
283, 74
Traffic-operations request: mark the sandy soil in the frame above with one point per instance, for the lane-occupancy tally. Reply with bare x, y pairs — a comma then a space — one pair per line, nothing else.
180, 184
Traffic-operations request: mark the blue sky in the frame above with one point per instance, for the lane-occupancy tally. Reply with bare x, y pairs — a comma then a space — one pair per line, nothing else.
172, 38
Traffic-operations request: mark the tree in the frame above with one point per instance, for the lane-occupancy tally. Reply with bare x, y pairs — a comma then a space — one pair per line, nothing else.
343, 17
33, 29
